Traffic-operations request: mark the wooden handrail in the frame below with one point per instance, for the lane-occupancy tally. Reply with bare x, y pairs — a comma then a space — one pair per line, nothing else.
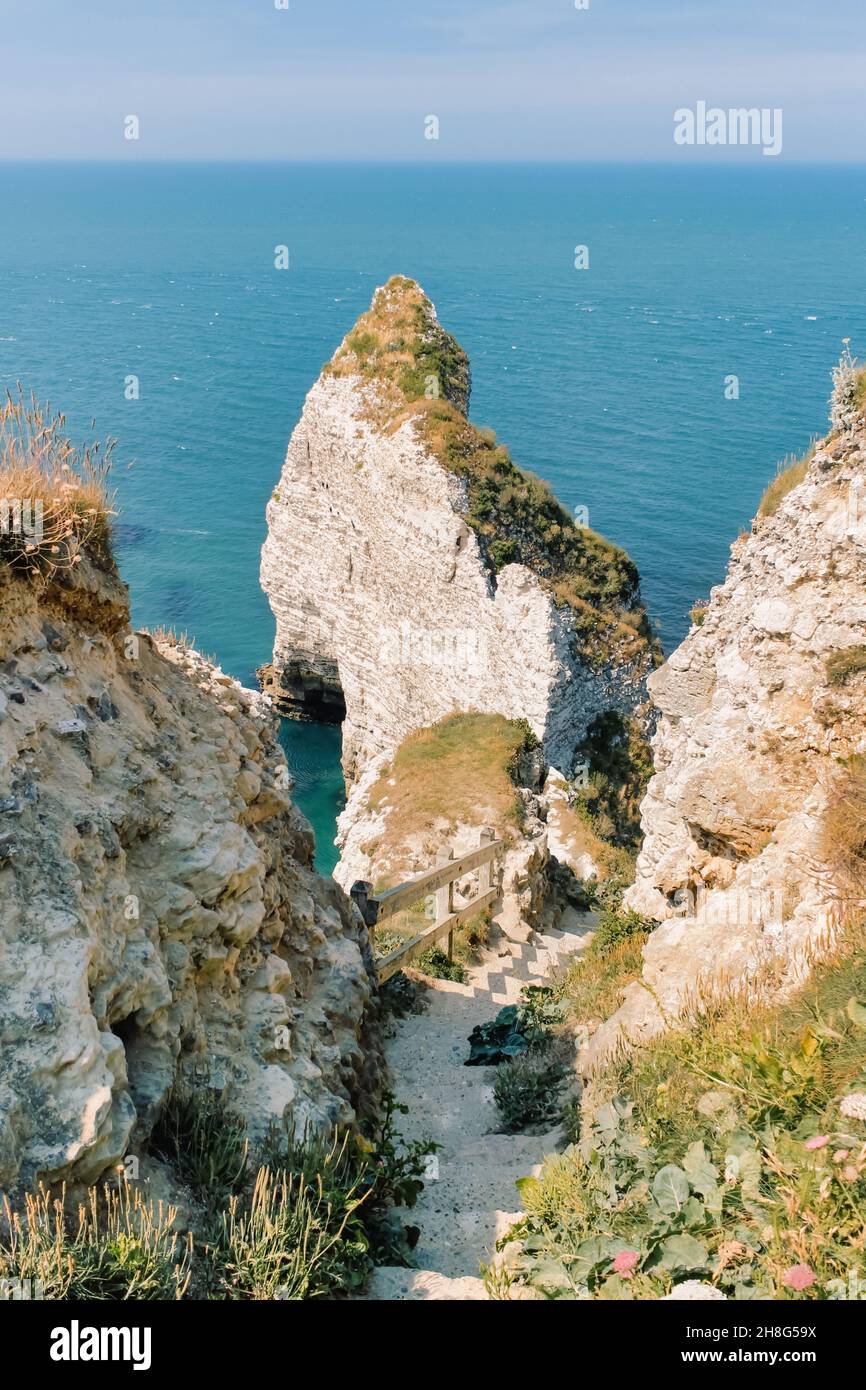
439, 881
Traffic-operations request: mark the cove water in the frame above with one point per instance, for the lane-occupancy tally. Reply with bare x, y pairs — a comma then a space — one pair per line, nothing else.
608, 381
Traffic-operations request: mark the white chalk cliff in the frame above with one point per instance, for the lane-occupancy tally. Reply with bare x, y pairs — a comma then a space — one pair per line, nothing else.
759, 753
159, 914
388, 561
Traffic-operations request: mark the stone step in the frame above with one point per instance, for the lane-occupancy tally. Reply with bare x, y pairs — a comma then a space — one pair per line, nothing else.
392, 1284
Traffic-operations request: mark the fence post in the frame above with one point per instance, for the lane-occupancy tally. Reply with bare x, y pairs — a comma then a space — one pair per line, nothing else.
445, 898
360, 893
485, 873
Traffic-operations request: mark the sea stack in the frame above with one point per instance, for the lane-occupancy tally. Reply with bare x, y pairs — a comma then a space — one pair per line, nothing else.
415, 571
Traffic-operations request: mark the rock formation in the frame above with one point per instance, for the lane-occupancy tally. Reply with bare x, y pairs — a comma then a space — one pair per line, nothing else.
413, 570
159, 913
755, 819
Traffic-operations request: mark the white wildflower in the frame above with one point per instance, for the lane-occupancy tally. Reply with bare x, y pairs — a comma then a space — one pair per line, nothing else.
694, 1291
854, 1106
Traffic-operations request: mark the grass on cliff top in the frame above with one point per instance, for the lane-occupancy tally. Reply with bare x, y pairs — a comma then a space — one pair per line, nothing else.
790, 474
457, 772
732, 1151
424, 377
400, 344
54, 501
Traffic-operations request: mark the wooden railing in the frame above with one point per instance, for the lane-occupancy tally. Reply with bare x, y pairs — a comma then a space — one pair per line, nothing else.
437, 882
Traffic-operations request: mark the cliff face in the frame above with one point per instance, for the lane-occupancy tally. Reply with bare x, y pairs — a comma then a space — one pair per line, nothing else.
158, 908
413, 570
755, 819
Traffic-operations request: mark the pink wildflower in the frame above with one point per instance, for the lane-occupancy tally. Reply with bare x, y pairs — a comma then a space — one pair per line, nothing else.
798, 1278
626, 1262
817, 1141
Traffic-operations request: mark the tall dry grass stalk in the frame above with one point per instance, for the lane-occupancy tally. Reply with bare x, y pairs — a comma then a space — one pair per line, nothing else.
61, 490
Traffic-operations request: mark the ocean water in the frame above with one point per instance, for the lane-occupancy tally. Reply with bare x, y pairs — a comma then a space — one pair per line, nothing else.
609, 382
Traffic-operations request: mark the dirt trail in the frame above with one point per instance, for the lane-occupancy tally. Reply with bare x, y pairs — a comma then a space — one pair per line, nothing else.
473, 1201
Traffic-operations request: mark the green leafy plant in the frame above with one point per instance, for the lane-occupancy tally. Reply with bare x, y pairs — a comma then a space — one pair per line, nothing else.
733, 1152
528, 1090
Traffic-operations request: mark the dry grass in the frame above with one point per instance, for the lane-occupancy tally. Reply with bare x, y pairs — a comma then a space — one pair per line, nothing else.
594, 981
844, 834
791, 473
61, 491
456, 772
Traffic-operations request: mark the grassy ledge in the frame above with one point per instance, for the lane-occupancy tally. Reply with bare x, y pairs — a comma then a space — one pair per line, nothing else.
422, 376
790, 474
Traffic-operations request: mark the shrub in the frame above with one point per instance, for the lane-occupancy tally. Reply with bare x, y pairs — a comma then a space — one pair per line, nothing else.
841, 666
434, 961
528, 1089
517, 1028
295, 1240
116, 1247
377, 1170
203, 1140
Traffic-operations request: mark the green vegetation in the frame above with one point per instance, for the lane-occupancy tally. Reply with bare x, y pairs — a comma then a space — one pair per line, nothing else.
308, 1220
843, 665
54, 505
115, 1246
528, 1089
423, 376
527, 1043
733, 1151
699, 611
591, 986
620, 766
516, 1029
203, 1141
791, 473
400, 344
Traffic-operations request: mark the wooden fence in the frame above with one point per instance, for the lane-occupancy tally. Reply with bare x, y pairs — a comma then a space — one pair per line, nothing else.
437, 882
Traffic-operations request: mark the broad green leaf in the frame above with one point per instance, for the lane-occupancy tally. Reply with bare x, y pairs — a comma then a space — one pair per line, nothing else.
701, 1173
682, 1253
856, 1012
592, 1253
671, 1188
550, 1275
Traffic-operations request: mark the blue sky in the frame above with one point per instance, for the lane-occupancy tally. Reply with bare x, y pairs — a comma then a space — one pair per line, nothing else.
354, 79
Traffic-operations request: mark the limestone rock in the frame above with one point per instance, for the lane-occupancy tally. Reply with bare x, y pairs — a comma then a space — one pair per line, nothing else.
750, 750
387, 609
159, 912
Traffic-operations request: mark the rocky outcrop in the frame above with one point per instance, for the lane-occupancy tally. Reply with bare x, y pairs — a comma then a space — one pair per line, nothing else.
159, 913
759, 778
413, 570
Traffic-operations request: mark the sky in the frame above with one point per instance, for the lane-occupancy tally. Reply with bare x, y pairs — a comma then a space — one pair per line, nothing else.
358, 79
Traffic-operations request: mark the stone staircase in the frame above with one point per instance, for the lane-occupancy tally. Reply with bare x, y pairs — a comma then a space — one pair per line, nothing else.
470, 1199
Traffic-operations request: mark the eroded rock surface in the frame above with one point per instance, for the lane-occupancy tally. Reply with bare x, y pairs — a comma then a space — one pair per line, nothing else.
760, 726
159, 911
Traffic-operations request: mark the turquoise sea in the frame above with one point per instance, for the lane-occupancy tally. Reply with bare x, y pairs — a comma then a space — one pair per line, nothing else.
610, 382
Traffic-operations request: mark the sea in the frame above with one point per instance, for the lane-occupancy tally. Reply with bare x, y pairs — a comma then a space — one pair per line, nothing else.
652, 340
